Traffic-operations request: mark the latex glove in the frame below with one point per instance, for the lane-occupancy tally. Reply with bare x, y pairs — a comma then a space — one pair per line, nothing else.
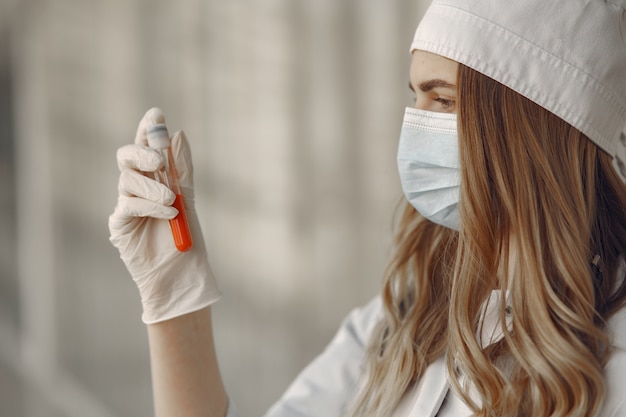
171, 283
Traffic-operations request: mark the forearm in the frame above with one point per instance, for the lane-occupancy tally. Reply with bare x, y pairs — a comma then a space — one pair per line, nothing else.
171, 283
185, 373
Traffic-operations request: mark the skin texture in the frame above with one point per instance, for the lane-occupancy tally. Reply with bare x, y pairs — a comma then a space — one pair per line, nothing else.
433, 80
185, 375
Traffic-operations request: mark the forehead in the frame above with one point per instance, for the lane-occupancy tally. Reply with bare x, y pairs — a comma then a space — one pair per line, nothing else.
427, 66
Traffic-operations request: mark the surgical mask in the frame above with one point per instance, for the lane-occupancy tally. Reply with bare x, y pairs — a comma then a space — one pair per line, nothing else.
428, 163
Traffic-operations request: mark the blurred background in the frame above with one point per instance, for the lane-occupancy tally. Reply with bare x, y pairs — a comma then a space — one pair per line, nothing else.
293, 110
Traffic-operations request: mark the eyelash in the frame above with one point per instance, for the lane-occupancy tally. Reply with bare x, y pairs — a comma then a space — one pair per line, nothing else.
446, 104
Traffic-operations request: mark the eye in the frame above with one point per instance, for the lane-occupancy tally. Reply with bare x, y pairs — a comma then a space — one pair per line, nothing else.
447, 105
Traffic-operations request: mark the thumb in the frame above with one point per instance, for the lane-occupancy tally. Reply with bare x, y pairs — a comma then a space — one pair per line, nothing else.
182, 159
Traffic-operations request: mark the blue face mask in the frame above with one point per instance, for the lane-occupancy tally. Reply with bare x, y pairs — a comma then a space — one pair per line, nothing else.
428, 163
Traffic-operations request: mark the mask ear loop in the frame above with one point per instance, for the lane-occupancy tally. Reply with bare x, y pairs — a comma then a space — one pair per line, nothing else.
596, 261
596, 268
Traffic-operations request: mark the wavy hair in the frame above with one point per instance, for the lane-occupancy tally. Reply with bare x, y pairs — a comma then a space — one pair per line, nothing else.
543, 217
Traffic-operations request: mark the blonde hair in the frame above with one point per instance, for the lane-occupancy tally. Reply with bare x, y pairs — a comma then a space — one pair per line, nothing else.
543, 217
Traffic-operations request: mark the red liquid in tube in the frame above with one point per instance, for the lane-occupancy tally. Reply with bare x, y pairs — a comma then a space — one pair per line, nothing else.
180, 226
158, 139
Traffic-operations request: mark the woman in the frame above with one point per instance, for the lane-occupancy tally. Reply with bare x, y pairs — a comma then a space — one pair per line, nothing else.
506, 294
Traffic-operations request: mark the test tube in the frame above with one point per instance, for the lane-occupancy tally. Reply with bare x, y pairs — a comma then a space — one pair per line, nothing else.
159, 140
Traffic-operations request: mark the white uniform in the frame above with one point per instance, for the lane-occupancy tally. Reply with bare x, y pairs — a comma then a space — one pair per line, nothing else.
326, 386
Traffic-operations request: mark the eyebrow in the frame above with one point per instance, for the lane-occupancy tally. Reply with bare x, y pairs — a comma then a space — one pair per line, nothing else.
427, 86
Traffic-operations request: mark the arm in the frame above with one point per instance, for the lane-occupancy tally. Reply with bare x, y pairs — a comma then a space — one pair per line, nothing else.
185, 375
176, 287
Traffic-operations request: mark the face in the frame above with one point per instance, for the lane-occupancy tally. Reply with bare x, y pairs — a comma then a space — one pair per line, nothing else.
433, 80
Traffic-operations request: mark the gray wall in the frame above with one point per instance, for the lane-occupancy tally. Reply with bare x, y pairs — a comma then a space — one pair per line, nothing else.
293, 110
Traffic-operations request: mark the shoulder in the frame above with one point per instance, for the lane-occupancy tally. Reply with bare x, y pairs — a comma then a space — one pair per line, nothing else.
325, 386
357, 327
360, 323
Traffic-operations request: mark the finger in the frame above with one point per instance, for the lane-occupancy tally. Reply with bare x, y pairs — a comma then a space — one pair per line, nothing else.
152, 117
138, 157
182, 159
128, 207
132, 183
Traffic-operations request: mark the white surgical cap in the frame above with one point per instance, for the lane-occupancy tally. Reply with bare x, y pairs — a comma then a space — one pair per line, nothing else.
568, 56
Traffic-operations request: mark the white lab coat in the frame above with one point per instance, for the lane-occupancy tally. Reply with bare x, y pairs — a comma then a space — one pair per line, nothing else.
325, 387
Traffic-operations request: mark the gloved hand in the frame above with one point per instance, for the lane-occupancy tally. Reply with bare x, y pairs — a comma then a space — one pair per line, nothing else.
171, 283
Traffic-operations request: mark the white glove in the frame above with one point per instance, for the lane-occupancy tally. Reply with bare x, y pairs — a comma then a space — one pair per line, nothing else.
171, 283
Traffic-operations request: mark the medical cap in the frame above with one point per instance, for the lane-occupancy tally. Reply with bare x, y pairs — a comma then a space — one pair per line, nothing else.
568, 56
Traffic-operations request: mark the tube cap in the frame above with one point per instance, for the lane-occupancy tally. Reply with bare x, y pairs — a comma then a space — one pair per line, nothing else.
158, 136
